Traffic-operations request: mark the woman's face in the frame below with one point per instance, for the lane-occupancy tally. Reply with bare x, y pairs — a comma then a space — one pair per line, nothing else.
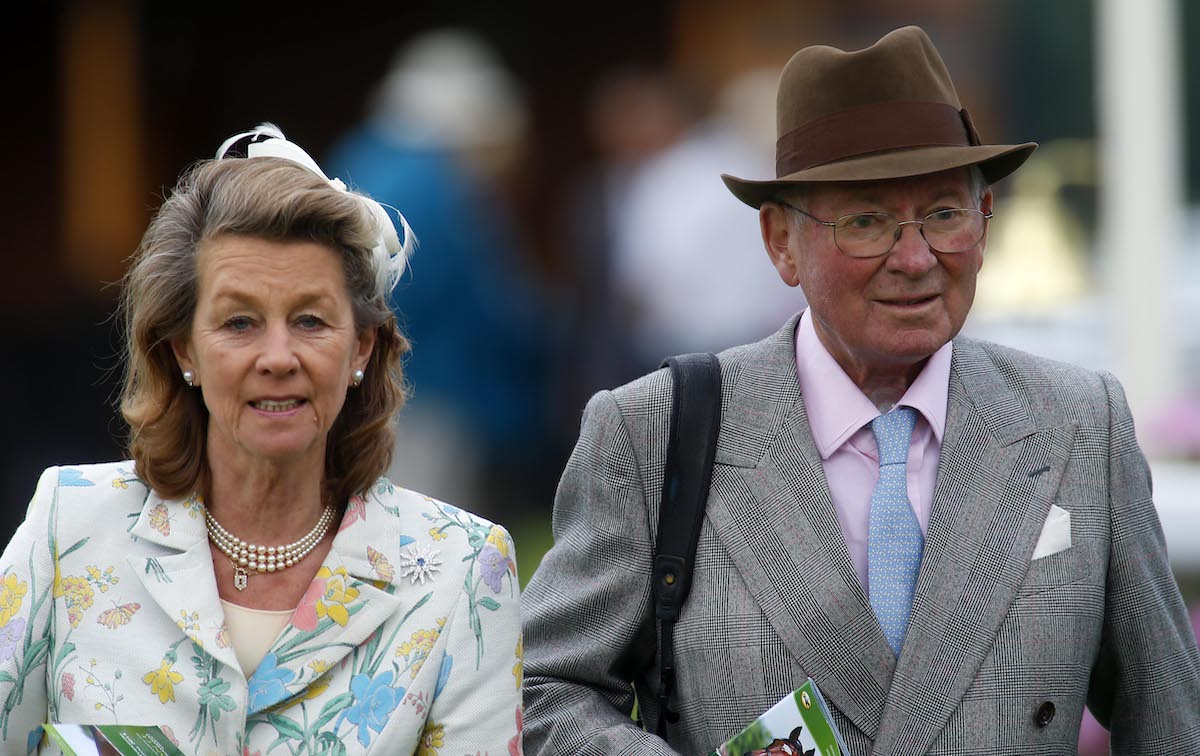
273, 348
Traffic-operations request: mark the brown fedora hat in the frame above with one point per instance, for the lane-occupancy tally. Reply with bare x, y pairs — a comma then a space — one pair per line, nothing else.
885, 112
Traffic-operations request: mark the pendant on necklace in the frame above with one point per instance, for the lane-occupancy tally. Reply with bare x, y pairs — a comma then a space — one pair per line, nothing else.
240, 577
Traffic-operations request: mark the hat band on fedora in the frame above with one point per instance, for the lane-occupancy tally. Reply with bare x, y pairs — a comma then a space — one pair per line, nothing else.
873, 128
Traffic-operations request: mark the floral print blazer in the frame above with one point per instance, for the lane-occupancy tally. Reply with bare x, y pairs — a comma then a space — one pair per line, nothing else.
408, 640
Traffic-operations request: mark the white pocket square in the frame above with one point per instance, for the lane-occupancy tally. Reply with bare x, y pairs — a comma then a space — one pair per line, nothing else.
1056, 533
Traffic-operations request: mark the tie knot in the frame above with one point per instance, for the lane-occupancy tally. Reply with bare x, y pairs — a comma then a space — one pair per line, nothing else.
893, 434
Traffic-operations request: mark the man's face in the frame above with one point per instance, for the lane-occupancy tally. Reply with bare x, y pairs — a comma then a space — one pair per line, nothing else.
881, 316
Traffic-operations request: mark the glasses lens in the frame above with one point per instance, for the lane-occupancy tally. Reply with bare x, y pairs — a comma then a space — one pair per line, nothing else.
953, 230
865, 234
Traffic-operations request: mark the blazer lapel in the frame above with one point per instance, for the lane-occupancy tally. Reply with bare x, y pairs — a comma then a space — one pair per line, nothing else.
771, 508
997, 478
337, 620
182, 582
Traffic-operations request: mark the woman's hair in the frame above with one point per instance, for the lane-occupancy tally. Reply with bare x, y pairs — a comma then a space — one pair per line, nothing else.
275, 200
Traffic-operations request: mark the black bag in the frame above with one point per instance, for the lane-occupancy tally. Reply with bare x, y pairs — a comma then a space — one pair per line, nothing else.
691, 448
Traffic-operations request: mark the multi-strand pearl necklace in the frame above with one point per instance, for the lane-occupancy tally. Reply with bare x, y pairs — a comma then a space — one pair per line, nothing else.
249, 557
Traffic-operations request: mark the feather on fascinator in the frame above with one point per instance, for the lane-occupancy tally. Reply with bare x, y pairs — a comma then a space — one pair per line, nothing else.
389, 255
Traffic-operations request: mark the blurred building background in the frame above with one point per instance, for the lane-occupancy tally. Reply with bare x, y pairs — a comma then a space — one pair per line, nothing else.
559, 164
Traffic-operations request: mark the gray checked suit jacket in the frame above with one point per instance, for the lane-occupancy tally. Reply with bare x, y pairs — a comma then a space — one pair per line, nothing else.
1002, 652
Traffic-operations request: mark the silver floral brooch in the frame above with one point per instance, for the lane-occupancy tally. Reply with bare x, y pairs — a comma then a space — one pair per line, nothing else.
418, 563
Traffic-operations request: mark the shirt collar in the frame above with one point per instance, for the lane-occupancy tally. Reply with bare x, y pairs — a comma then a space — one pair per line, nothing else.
837, 408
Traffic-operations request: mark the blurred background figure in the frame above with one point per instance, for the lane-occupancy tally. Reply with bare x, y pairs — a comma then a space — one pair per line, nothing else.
672, 228
648, 223
444, 129
632, 116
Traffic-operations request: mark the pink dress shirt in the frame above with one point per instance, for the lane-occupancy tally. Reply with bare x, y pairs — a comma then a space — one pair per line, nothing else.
839, 415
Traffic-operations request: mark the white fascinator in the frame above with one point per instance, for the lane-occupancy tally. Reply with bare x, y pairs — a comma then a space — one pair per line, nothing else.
389, 254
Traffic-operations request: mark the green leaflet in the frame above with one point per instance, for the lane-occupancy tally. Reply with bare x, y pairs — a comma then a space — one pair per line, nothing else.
331, 709
75, 547
285, 727
67, 648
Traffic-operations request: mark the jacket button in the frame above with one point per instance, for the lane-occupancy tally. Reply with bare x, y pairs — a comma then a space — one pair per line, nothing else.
1044, 714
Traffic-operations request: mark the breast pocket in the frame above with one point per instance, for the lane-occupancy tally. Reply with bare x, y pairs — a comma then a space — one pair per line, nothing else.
1051, 572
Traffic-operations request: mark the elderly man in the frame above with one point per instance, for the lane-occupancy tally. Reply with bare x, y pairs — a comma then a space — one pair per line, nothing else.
954, 539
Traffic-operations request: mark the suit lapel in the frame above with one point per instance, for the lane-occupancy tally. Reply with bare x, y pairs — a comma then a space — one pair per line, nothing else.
771, 509
995, 484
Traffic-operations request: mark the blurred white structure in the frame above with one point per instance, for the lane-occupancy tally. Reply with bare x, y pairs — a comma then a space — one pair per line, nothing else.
1141, 190
1175, 486
1143, 234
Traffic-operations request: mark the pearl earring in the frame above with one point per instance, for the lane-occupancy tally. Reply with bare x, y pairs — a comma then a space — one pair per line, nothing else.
357, 378
189, 378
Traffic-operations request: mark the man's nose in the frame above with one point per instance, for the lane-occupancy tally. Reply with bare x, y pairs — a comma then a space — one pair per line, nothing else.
911, 253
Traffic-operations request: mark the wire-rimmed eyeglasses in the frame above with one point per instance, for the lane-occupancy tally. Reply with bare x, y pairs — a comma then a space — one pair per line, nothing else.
874, 234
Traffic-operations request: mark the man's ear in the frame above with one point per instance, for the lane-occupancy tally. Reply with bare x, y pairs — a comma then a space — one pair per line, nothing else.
777, 231
985, 204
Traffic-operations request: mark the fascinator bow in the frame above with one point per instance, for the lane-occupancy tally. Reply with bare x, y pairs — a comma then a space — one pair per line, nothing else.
389, 254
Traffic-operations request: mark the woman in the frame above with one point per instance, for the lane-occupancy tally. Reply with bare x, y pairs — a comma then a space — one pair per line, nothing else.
248, 581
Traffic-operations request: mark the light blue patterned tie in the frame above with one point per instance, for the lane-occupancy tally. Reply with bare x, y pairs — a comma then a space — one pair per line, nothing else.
894, 539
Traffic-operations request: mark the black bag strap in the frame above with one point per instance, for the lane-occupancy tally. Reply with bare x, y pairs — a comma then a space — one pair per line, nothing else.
691, 448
